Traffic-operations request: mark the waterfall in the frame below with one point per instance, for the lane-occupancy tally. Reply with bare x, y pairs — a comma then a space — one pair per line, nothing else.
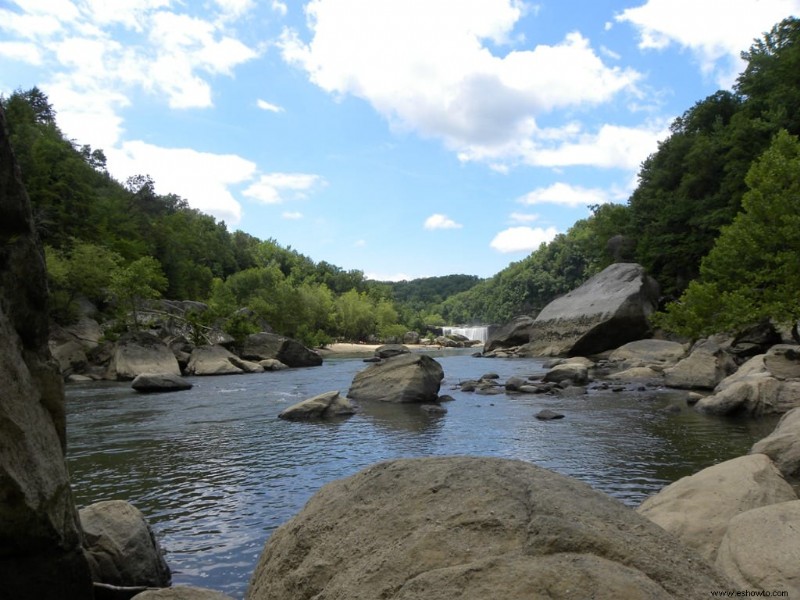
480, 332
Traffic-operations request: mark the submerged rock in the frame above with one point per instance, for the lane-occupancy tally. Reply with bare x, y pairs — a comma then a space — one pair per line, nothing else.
472, 528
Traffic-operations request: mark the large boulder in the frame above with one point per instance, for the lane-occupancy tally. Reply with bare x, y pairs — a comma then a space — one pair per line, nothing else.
783, 446
610, 309
708, 363
213, 360
260, 346
510, 335
324, 406
40, 539
389, 350
761, 549
766, 384
402, 378
121, 547
141, 352
472, 528
697, 509
182, 592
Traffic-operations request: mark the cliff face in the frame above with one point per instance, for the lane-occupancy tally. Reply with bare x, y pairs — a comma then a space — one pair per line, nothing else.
40, 538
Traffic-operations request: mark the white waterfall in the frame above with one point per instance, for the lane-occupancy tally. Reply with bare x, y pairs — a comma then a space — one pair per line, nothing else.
473, 333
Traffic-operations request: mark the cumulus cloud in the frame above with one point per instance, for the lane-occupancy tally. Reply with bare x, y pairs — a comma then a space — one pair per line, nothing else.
439, 221
201, 177
429, 69
716, 46
522, 239
565, 195
274, 188
292, 215
22, 51
524, 217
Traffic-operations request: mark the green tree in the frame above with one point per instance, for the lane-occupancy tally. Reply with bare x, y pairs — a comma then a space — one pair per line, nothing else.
355, 318
753, 271
141, 280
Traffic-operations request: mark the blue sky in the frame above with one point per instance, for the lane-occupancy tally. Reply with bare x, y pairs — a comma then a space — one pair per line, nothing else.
404, 138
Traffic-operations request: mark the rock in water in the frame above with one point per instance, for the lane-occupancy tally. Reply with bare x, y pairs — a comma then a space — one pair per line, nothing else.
160, 382
40, 540
324, 406
401, 378
121, 546
473, 529
261, 346
610, 309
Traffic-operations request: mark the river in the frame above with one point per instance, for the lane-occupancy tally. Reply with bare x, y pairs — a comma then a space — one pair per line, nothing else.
215, 471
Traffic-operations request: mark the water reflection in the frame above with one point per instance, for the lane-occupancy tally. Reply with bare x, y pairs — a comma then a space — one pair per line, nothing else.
215, 471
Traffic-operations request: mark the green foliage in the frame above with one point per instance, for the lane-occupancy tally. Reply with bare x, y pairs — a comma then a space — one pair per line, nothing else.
141, 280
753, 271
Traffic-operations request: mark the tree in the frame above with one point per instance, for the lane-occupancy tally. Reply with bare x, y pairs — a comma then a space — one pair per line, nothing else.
753, 271
141, 280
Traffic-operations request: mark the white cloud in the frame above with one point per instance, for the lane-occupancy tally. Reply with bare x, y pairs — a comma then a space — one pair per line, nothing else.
268, 106
716, 34
391, 277
292, 216
427, 68
522, 239
22, 51
565, 195
202, 178
274, 188
438, 221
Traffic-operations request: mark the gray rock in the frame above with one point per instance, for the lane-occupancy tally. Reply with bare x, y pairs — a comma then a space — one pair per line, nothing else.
323, 406
140, 352
761, 551
648, 353
433, 409
182, 592
472, 528
272, 364
40, 540
260, 346
121, 547
71, 357
403, 378
783, 446
160, 382
548, 415
213, 360
510, 335
643, 373
411, 337
389, 350
697, 509
708, 363
573, 372
610, 309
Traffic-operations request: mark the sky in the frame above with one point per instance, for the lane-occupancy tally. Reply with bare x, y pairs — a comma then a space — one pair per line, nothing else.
402, 138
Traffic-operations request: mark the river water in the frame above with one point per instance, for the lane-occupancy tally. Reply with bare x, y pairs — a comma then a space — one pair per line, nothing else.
215, 471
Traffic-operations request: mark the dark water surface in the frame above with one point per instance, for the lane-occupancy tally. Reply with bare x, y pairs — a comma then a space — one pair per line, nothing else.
215, 471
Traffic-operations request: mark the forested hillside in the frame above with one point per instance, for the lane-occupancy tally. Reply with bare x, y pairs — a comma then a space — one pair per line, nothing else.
689, 191
695, 204
120, 243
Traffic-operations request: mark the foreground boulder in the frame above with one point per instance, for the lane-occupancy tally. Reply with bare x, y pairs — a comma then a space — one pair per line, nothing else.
472, 528
324, 406
401, 378
141, 352
40, 539
182, 592
121, 547
160, 382
261, 346
697, 509
609, 310
761, 550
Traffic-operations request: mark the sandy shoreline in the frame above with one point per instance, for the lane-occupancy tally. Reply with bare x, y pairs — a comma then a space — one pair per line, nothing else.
363, 349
